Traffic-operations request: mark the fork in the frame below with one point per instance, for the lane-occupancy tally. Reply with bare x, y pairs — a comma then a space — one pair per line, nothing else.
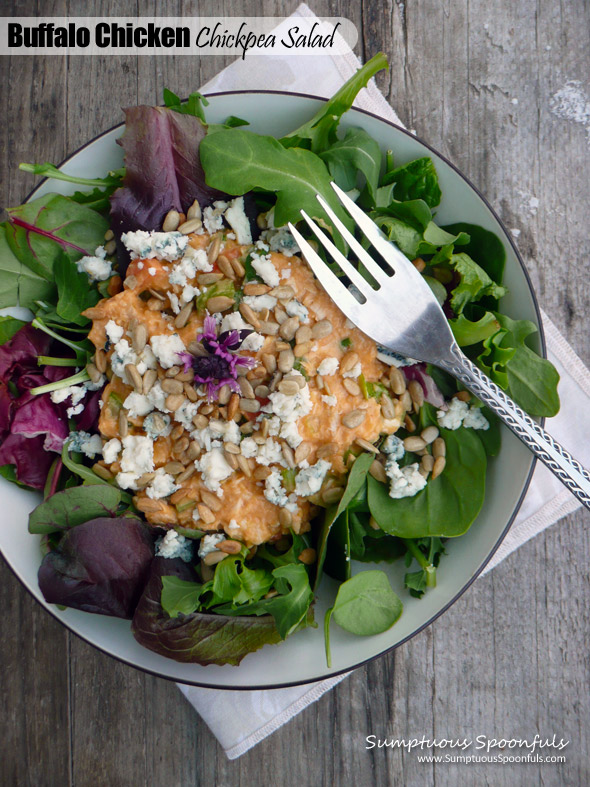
403, 315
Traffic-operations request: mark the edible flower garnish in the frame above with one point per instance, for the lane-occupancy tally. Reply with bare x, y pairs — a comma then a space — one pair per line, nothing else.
220, 366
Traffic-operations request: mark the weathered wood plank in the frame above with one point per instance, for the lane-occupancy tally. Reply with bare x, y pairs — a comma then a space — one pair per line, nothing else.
510, 658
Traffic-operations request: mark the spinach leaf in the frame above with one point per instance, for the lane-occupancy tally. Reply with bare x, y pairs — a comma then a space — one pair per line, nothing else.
529, 379
415, 180
320, 131
73, 506
275, 558
474, 285
372, 546
366, 604
8, 327
338, 550
356, 480
357, 152
74, 291
237, 161
448, 505
468, 332
427, 552
179, 596
51, 225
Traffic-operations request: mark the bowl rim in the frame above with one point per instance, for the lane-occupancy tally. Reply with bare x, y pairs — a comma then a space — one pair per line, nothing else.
480, 568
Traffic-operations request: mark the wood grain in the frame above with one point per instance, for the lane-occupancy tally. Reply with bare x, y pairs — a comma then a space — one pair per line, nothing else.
510, 658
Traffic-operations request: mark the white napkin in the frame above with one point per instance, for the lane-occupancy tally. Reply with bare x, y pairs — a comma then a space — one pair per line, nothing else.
241, 719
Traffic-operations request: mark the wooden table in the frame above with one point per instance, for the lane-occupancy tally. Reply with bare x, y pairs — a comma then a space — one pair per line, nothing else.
475, 79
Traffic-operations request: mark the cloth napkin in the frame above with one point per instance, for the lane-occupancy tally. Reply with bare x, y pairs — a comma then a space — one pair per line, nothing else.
241, 719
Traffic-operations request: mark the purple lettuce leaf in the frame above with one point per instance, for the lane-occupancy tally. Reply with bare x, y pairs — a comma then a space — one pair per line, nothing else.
6, 410
31, 460
20, 352
87, 421
100, 566
162, 171
39, 417
196, 638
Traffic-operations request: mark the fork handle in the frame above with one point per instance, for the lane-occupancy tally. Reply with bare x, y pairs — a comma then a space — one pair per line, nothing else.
569, 471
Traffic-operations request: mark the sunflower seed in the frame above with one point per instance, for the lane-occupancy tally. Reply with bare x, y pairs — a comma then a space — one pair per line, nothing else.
464, 396
262, 472
397, 380
268, 328
348, 361
366, 445
414, 444
102, 472
288, 455
211, 500
158, 422
172, 386
214, 249
239, 269
192, 225
438, 467
232, 407
288, 387
330, 496
246, 388
250, 315
194, 451
219, 303
123, 423
269, 362
109, 235
145, 479
249, 405
180, 446
283, 292
181, 318
409, 424
285, 517
429, 434
190, 392
378, 472
93, 373
427, 463
100, 361
175, 401
321, 329
231, 459
225, 267
171, 221
352, 387
174, 468
176, 432
286, 360
243, 465
354, 418
209, 278
301, 350
148, 506
303, 334
256, 289
224, 394
194, 212
206, 515
439, 448
229, 546
302, 451
289, 328
416, 392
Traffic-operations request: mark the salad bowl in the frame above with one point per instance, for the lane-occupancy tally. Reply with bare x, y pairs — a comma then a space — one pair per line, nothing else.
300, 659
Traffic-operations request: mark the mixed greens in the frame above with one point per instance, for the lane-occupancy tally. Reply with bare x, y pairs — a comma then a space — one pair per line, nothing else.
98, 553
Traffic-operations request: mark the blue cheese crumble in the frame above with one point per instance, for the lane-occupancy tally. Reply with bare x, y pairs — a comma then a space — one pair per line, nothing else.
394, 447
97, 268
174, 545
88, 444
405, 481
309, 480
275, 492
167, 246
161, 485
209, 543
459, 413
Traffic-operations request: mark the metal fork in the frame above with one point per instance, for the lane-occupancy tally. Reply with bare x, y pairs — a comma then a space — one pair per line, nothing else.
403, 315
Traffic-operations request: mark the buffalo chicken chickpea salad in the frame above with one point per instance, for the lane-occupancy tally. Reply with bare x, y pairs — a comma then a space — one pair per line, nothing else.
209, 431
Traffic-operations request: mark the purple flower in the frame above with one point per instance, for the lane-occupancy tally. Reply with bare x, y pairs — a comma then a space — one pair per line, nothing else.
220, 366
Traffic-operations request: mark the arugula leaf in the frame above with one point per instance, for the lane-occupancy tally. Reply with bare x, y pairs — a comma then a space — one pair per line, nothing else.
8, 327
356, 480
193, 106
529, 379
474, 284
415, 180
237, 161
47, 170
179, 596
75, 293
485, 247
73, 506
51, 225
357, 152
320, 131
448, 505
290, 608
365, 605
467, 332
409, 227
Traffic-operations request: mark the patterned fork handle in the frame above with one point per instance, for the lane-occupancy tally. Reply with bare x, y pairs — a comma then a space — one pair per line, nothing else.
569, 471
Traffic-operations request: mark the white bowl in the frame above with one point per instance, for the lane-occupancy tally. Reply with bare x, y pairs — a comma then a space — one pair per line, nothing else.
301, 659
